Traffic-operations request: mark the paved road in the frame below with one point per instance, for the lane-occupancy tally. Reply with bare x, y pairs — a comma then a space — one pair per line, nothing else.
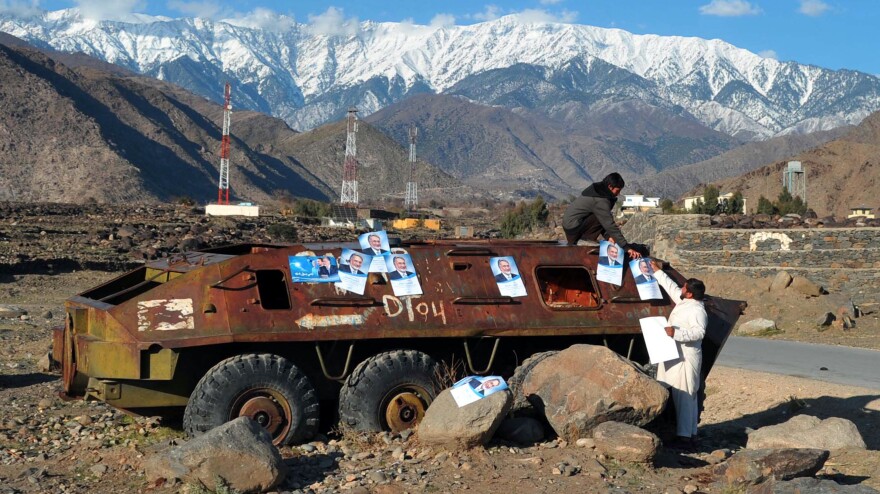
836, 364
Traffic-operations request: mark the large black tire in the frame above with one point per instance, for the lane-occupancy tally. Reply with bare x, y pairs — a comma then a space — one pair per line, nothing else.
521, 405
265, 387
389, 391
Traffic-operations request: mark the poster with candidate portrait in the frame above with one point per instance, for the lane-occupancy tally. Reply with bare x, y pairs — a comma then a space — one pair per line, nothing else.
646, 283
610, 268
402, 275
313, 269
353, 271
473, 388
375, 244
507, 276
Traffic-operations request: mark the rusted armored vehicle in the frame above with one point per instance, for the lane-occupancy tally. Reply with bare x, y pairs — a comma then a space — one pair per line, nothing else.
227, 332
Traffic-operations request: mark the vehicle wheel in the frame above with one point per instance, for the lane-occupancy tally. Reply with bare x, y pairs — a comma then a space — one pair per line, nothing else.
264, 387
389, 391
521, 405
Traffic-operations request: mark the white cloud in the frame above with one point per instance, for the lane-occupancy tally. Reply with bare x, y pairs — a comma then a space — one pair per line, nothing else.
538, 16
18, 8
813, 8
442, 20
491, 13
729, 8
203, 10
333, 23
768, 54
549, 2
263, 18
100, 10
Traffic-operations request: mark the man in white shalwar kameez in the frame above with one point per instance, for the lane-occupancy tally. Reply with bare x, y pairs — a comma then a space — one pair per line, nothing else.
687, 326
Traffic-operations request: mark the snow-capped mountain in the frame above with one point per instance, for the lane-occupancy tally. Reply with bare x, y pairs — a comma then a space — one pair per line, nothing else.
309, 78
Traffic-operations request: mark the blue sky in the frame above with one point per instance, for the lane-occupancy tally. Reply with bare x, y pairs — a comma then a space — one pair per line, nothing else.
834, 34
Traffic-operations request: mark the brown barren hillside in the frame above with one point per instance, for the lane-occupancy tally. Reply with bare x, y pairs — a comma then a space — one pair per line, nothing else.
80, 133
841, 174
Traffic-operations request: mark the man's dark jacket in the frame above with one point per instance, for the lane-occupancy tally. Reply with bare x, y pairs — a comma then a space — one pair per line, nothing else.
595, 201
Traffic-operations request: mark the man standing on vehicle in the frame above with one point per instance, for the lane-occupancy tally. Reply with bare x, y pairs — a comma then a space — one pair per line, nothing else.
589, 215
687, 326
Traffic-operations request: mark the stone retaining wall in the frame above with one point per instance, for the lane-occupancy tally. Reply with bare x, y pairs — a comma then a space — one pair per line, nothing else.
836, 258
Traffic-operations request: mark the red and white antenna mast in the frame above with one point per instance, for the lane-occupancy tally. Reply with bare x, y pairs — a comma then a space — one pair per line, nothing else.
223, 190
349, 168
411, 201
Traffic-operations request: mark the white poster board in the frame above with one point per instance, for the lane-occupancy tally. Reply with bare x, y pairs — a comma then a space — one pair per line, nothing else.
353, 271
661, 347
402, 275
375, 244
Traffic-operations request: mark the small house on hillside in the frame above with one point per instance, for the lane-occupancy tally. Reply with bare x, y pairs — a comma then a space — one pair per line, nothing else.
691, 201
638, 203
863, 211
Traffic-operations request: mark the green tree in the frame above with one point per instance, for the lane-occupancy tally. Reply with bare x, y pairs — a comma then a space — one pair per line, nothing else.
765, 206
667, 206
734, 205
525, 217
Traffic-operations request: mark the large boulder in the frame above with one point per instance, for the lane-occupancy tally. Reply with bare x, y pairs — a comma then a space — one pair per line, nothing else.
780, 282
753, 466
756, 326
239, 453
585, 385
805, 431
805, 287
625, 442
448, 425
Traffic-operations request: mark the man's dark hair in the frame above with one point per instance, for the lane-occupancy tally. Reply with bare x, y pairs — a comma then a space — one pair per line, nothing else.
613, 180
696, 288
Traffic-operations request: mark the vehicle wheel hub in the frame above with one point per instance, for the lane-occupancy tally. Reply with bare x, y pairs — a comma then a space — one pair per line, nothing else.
405, 410
267, 412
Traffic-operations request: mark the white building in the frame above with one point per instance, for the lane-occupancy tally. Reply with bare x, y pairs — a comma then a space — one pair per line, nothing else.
638, 202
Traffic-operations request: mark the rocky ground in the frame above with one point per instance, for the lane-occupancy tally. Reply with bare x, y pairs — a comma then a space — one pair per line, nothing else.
47, 445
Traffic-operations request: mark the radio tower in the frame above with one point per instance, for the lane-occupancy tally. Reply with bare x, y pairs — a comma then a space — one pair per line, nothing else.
412, 189
223, 190
349, 169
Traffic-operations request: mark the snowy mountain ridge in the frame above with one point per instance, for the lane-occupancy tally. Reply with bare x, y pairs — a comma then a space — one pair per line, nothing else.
309, 78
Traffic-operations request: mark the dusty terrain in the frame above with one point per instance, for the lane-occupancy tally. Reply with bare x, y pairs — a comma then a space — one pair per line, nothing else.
47, 445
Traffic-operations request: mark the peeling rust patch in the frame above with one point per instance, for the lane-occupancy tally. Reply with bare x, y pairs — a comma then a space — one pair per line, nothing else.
312, 321
165, 314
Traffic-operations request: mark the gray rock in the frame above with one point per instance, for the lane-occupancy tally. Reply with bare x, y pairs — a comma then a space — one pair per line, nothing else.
805, 431
756, 326
806, 485
585, 385
472, 425
240, 452
780, 282
10, 312
826, 319
46, 314
805, 286
45, 363
753, 466
626, 442
521, 430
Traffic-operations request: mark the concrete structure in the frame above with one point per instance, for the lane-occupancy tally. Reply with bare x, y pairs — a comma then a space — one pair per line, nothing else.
863, 211
232, 210
407, 223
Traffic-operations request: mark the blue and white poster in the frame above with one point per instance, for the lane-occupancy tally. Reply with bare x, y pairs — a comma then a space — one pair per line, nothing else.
473, 388
376, 244
402, 275
353, 271
507, 276
646, 283
610, 268
313, 269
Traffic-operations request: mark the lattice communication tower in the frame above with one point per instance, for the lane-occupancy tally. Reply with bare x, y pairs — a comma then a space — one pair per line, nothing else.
223, 190
349, 168
412, 189
794, 179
